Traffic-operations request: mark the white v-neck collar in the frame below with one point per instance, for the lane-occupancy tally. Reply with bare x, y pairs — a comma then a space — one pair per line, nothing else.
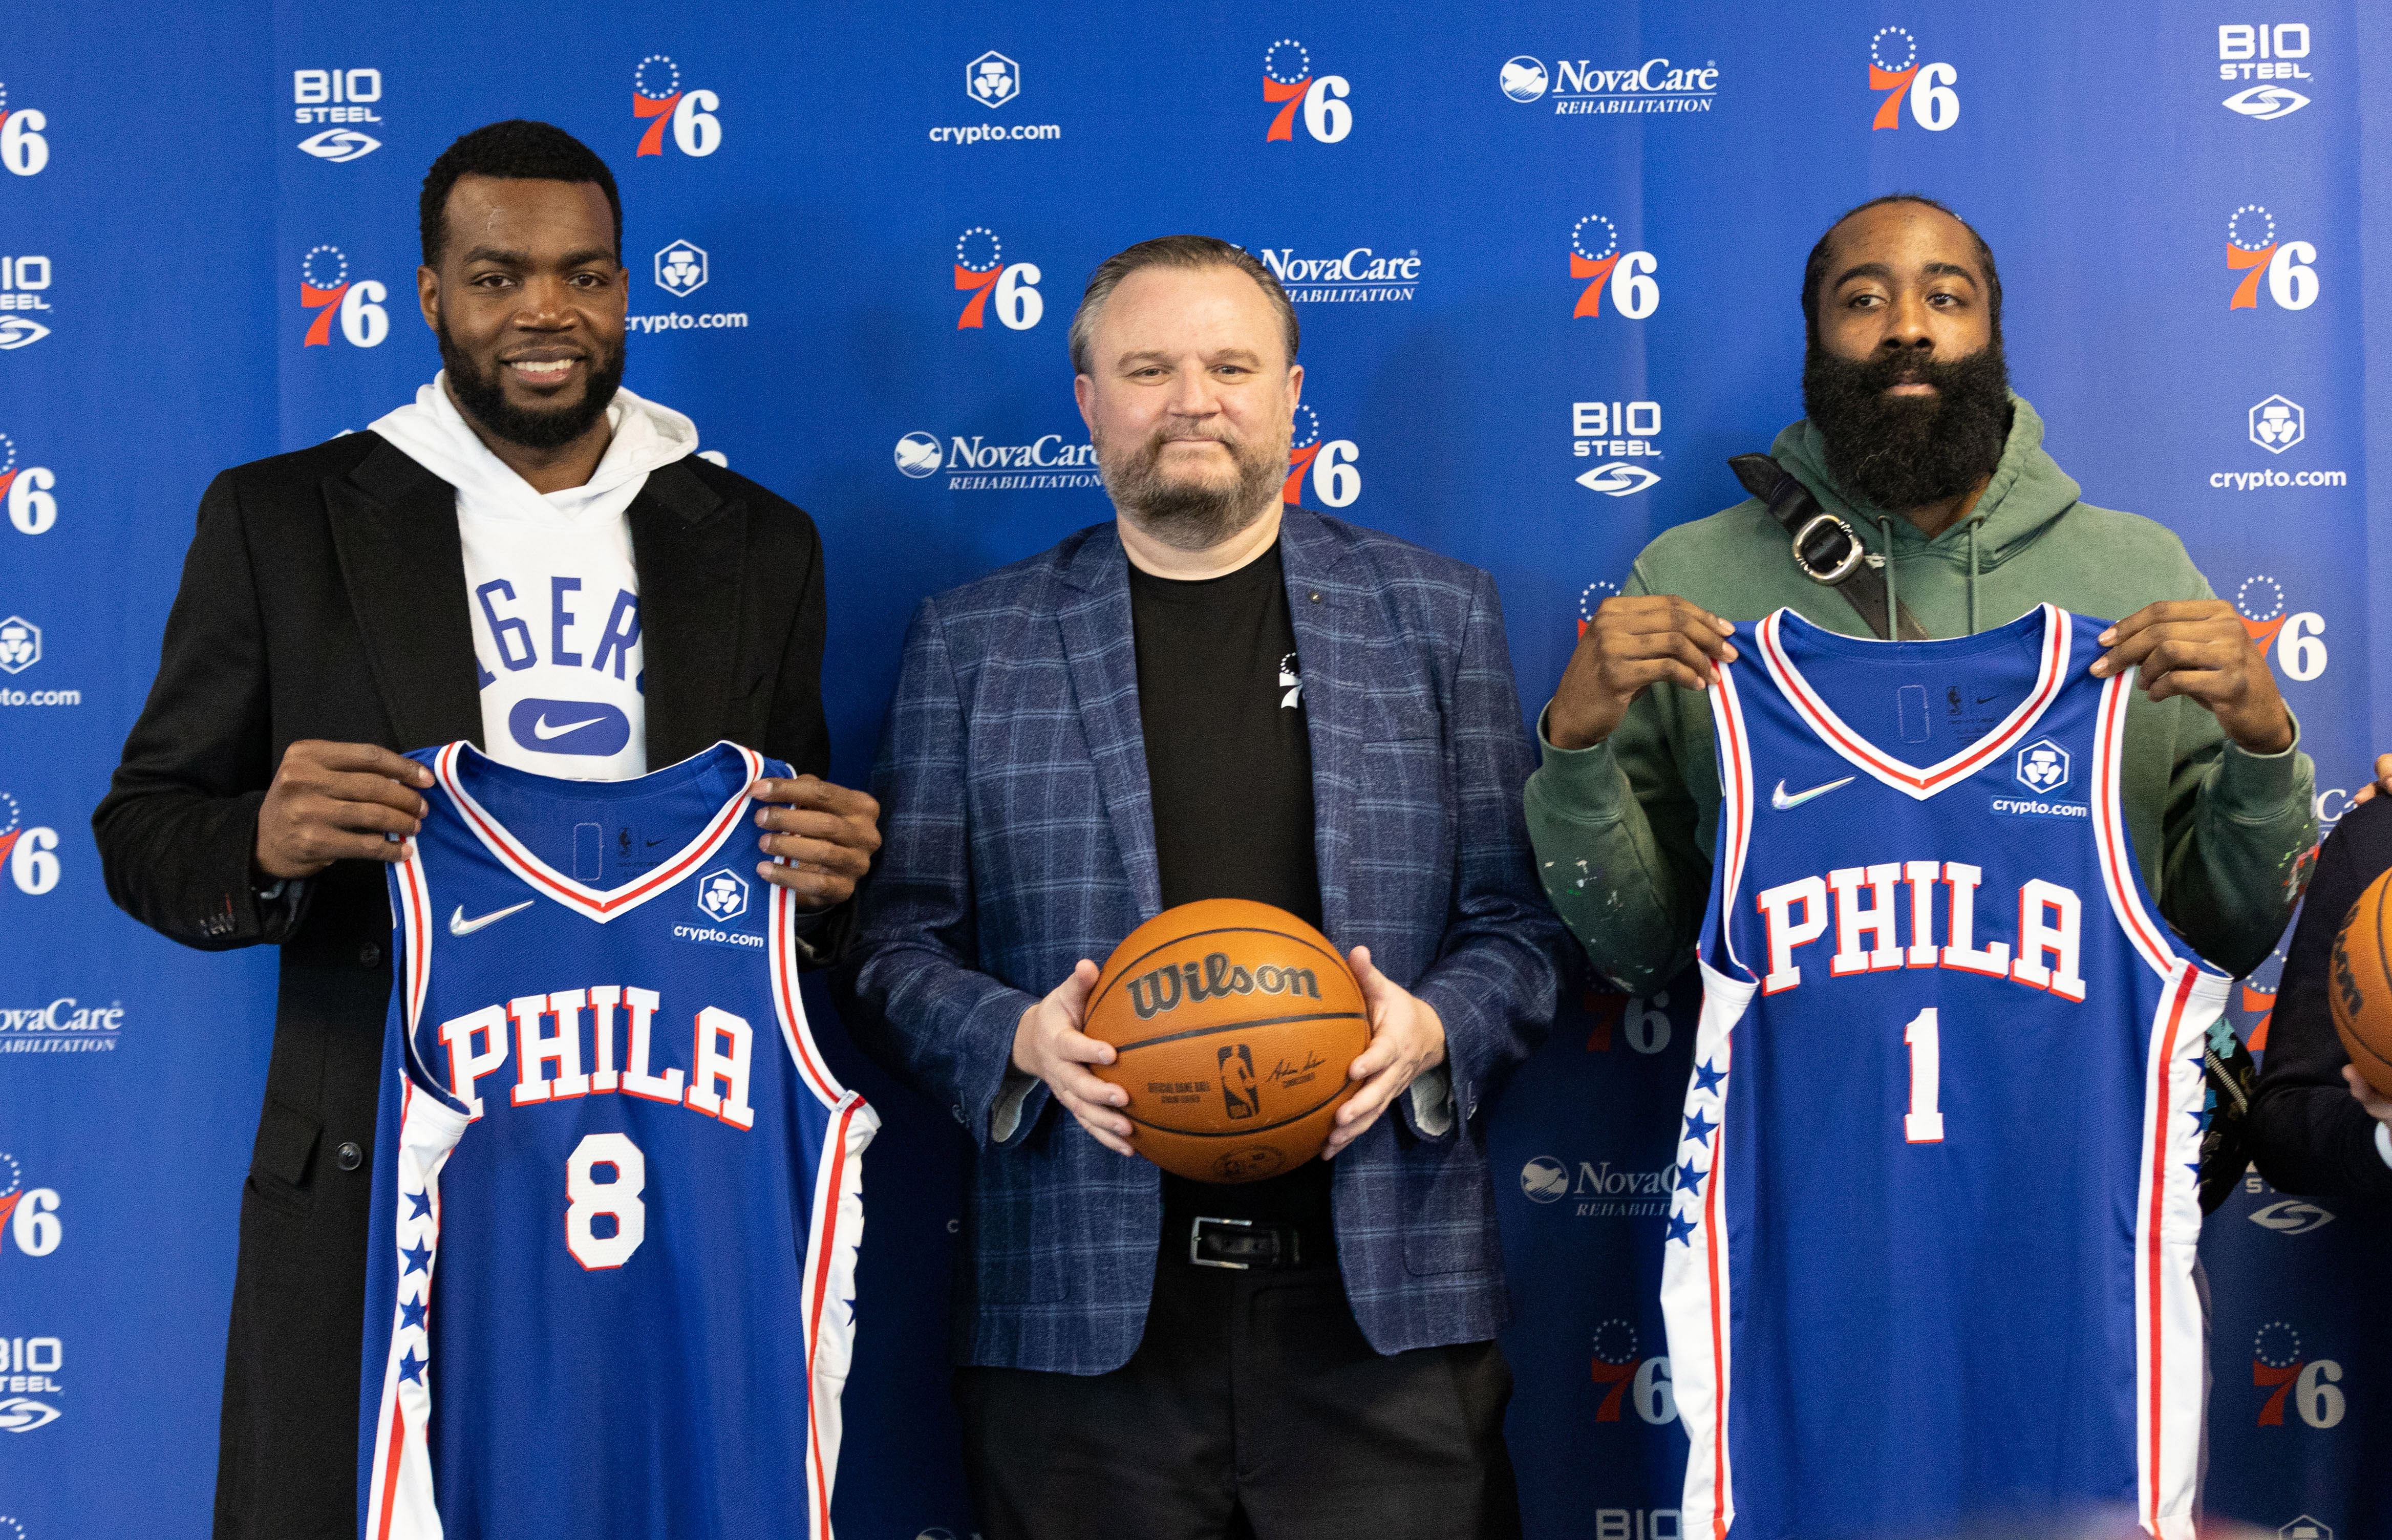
1909, 779
600, 905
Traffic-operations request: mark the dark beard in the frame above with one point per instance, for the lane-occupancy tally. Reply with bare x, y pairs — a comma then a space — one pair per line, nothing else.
482, 399
1904, 452
1188, 515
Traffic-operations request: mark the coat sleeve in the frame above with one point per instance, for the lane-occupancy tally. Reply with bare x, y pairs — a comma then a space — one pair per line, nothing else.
2308, 1134
179, 827
1497, 978
1616, 835
910, 989
797, 732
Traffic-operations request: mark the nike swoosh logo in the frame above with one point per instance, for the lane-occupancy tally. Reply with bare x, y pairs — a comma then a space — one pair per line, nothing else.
460, 925
541, 730
1781, 801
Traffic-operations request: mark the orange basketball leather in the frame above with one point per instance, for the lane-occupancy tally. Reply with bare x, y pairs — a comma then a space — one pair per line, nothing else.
1234, 1024
2360, 987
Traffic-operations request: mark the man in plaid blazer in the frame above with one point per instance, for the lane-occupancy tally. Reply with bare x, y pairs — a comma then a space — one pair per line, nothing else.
1213, 696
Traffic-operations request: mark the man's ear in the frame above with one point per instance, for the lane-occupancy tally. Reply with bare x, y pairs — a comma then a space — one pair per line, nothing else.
1083, 390
427, 296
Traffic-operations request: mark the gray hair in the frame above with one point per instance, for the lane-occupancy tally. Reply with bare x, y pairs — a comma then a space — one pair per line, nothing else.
1174, 251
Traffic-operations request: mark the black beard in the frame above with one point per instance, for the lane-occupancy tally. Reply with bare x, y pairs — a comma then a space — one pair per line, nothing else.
1185, 515
482, 399
1904, 452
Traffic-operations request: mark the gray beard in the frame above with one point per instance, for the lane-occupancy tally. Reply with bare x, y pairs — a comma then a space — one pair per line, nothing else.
1188, 515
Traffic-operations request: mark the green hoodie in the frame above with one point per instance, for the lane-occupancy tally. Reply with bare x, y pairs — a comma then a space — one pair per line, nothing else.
1624, 829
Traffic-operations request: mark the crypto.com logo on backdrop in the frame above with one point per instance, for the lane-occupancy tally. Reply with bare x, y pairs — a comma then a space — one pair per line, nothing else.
657, 97
981, 270
23, 150
1894, 69
1597, 262
325, 289
1289, 83
2253, 250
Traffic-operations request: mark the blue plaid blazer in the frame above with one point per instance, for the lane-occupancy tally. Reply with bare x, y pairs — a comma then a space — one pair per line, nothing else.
1019, 837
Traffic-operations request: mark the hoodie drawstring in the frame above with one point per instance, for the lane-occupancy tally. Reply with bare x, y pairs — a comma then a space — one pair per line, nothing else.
1973, 577
1892, 602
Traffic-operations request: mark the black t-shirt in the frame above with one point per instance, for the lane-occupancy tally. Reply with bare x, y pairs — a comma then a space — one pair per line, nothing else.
1229, 766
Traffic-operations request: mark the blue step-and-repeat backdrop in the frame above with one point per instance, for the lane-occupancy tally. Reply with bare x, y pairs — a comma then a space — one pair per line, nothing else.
1547, 259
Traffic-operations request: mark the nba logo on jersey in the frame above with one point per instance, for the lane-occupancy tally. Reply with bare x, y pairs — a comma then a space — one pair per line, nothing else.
1930, 1258
617, 1192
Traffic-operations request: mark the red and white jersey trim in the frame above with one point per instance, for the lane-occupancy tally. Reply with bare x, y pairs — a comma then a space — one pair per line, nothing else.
2119, 878
829, 1297
601, 906
1908, 778
2170, 1340
1735, 802
1698, 1307
781, 941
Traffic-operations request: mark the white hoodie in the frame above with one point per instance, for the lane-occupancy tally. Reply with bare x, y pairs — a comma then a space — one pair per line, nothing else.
553, 591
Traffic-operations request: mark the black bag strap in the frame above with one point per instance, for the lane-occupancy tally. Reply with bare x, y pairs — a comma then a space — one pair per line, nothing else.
1827, 549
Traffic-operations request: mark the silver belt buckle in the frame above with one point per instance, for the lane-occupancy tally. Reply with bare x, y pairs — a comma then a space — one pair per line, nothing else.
1196, 1229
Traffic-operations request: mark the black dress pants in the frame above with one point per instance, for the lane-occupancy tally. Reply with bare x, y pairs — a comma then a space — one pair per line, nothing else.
1253, 1407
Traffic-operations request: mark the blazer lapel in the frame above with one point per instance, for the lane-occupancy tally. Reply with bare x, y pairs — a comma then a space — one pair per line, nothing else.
1100, 651
691, 547
1323, 615
395, 530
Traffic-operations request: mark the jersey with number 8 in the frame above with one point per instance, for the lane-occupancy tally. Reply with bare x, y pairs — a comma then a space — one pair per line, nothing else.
1930, 1256
607, 1134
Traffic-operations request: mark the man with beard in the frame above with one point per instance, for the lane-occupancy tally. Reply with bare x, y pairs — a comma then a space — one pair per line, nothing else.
513, 558
1214, 695
1915, 439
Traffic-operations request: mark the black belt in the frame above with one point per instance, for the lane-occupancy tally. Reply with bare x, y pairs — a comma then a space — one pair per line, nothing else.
1245, 1245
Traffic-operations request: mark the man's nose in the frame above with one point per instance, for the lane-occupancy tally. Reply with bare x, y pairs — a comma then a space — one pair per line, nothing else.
1192, 395
1907, 323
545, 304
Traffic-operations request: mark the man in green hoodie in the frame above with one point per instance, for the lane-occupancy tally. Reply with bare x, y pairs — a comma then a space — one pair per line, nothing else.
1915, 439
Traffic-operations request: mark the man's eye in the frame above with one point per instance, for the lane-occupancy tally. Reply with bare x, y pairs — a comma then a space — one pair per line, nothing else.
490, 280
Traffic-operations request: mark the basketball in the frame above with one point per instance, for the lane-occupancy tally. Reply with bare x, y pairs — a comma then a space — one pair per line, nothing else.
1233, 1024
2362, 986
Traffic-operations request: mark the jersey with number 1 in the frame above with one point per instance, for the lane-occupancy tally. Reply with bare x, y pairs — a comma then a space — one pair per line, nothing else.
616, 1192
1930, 1256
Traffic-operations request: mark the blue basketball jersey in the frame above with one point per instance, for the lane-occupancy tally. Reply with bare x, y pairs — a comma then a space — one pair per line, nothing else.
1930, 1256
616, 1192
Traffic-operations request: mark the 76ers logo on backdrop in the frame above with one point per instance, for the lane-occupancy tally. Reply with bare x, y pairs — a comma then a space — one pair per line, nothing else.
1597, 261
324, 288
1334, 467
2252, 250
1616, 1363
656, 95
1894, 69
22, 148
2313, 1385
32, 508
982, 270
1289, 83
30, 1217
30, 855
2296, 640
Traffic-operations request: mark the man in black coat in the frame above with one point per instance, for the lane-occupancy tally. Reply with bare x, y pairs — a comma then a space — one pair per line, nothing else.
2316, 1127
324, 624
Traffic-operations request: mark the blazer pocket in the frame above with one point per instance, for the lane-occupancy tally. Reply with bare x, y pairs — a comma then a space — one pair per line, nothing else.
1450, 1224
283, 1156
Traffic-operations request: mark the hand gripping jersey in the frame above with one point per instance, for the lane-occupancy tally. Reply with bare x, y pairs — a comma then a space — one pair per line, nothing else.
1930, 1256
617, 1194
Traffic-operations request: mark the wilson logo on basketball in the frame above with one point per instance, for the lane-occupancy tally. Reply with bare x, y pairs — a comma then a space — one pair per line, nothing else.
1151, 994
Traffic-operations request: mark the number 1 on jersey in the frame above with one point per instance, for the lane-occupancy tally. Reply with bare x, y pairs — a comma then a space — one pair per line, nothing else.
1923, 1124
